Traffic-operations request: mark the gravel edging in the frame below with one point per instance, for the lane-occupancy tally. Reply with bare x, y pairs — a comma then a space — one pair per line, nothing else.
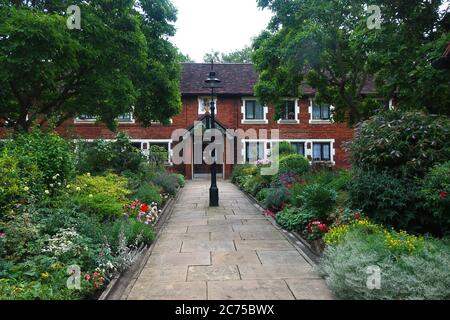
120, 287
302, 246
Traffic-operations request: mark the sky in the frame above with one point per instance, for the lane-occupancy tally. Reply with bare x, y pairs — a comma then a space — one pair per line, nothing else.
219, 25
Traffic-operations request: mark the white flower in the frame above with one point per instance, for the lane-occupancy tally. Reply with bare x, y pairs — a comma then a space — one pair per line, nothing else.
47, 192
78, 189
51, 185
91, 196
68, 186
88, 174
59, 184
26, 189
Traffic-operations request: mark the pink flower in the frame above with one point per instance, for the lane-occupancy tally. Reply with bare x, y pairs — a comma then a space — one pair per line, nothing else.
2, 235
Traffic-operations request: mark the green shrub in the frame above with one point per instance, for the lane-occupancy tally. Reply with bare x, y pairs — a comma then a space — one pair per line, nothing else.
167, 181
262, 194
294, 219
436, 191
319, 199
294, 163
417, 271
158, 155
388, 200
149, 193
276, 198
100, 156
402, 143
52, 155
286, 149
17, 181
240, 171
133, 231
110, 184
254, 184
181, 180
100, 204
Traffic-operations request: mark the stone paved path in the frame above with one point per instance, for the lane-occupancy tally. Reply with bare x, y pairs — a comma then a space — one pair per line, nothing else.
230, 252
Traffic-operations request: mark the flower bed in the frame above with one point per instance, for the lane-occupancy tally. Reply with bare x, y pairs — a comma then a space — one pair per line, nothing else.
66, 235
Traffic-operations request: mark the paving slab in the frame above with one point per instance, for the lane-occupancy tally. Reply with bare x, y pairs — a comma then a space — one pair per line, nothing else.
199, 273
286, 271
309, 289
282, 257
233, 258
176, 259
245, 245
249, 290
156, 290
225, 235
201, 245
262, 235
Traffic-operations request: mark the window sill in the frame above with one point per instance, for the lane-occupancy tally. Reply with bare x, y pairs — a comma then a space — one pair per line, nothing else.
288, 122
320, 122
255, 121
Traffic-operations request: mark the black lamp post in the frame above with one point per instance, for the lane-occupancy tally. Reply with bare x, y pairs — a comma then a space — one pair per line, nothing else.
213, 82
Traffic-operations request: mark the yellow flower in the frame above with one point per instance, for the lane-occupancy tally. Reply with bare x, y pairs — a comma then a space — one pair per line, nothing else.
45, 275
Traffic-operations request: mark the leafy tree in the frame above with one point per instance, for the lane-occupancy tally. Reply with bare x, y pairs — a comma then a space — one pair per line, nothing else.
120, 59
328, 45
238, 56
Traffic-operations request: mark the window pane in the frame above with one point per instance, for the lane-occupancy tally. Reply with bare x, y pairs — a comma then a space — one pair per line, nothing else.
290, 107
259, 112
316, 112
260, 151
326, 112
250, 109
326, 152
299, 148
317, 152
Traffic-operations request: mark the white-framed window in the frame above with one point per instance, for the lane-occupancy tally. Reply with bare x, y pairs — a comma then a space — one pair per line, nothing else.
290, 111
145, 146
254, 151
253, 111
299, 147
321, 151
124, 118
320, 113
204, 105
315, 150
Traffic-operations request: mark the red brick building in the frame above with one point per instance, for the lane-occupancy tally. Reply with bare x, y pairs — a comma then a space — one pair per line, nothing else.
307, 126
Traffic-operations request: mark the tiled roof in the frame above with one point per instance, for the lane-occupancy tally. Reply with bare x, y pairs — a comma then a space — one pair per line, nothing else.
237, 79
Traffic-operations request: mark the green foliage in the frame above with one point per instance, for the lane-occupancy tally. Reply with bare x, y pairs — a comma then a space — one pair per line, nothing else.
389, 200
121, 59
262, 194
402, 143
318, 199
294, 219
133, 230
51, 155
116, 187
242, 170
158, 155
181, 180
15, 178
167, 181
294, 163
101, 205
239, 56
411, 267
276, 198
436, 191
285, 149
100, 156
254, 184
149, 193
337, 53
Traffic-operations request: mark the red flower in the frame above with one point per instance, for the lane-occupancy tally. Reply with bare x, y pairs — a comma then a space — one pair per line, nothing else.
87, 277
323, 228
356, 216
145, 207
443, 194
